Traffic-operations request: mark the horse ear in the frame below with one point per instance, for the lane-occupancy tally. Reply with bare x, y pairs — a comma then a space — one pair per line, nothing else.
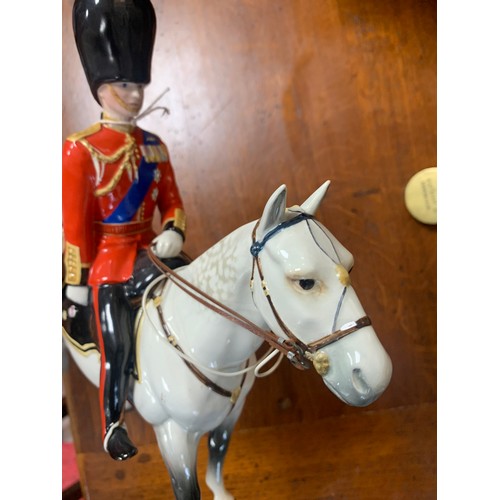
274, 212
313, 202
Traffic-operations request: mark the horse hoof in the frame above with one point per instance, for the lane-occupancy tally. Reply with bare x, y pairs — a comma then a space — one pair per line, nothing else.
119, 445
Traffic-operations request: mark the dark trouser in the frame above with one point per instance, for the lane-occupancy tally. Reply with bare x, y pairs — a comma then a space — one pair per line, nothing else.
116, 342
115, 305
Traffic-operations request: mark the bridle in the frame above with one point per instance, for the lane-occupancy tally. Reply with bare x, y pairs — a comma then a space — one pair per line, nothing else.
300, 354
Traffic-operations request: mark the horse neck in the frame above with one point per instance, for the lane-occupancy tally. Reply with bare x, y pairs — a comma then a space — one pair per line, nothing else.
224, 271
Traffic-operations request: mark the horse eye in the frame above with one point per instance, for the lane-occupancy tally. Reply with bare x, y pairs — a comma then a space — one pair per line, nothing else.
306, 284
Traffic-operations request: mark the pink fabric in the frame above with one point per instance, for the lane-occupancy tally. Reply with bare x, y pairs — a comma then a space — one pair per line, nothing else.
70, 473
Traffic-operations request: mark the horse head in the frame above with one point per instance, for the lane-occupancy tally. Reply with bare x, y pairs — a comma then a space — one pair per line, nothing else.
306, 297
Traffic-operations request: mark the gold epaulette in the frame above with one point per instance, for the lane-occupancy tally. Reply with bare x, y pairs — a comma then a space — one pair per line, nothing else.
77, 136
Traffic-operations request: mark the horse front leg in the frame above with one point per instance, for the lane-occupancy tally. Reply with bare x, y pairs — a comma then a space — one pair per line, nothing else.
179, 450
218, 443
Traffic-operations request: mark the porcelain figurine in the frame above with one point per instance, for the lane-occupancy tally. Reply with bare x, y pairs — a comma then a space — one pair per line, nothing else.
190, 363
283, 280
114, 177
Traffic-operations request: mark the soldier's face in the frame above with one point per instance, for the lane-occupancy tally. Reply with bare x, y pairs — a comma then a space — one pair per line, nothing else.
121, 100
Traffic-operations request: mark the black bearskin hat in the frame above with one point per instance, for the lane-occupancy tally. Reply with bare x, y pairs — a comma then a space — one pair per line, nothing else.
115, 40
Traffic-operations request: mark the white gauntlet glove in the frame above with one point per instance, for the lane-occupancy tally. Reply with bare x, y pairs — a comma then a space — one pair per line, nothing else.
168, 244
78, 294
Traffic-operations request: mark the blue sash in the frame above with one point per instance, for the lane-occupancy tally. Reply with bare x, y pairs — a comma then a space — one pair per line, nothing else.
131, 202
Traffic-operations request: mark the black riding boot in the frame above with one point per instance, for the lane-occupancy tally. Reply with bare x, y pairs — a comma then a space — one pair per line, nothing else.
116, 330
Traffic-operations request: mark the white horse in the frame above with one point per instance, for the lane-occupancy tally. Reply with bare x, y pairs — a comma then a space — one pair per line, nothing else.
283, 280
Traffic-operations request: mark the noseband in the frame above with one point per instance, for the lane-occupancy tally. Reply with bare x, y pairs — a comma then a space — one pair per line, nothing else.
300, 355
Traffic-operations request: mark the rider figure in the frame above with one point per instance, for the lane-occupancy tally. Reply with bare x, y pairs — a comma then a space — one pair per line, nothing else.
114, 177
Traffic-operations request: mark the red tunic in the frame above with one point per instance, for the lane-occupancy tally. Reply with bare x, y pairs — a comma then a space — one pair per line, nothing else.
99, 167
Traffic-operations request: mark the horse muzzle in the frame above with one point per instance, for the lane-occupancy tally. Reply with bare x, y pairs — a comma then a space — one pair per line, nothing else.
358, 374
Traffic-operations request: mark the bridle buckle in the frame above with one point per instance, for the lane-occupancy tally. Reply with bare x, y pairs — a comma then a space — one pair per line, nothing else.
298, 362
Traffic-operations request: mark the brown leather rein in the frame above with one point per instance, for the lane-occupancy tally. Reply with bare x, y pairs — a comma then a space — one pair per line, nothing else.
214, 305
301, 355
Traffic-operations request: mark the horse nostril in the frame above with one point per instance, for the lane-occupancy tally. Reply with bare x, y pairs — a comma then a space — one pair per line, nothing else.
359, 383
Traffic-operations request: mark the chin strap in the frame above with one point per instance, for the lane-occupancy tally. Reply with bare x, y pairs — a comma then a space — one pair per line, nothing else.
151, 107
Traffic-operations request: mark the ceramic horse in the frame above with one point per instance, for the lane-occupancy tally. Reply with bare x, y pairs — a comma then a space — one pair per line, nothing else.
283, 280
